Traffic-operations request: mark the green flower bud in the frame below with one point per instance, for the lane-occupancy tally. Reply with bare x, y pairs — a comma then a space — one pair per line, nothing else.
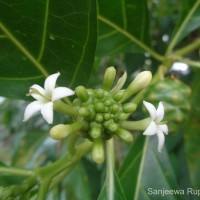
95, 130
110, 125
129, 107
98, 151
82, 93
123, 116
118, 96
99, 117
109, 78
120, 83
108, 102
84, 112
99, 93
99, 107
106, 116
61, 131
139, 83
125, 135
114, 108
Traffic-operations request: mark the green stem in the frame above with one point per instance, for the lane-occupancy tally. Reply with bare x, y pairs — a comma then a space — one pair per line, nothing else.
189, 48
110, 169
189, 62
67, 161
57, 179
181, 28
136, 125
16, 171
44, 189
62, 107
131, 37
71, 143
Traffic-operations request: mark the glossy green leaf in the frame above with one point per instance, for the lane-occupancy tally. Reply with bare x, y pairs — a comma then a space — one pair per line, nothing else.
117, 18
146, 170
38, 38
118, 191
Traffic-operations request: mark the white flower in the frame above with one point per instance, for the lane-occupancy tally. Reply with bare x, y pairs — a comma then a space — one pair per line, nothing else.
45, 98
156, 126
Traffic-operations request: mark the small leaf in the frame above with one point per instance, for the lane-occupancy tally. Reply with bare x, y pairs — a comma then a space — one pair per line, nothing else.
38, 38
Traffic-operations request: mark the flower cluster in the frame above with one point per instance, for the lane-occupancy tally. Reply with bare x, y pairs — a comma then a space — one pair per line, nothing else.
99, 114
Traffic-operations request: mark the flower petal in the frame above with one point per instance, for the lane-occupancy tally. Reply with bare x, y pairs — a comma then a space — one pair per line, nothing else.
50, 83
61, 92
120, 83
151, 129
161, 140
151, 109
163, 128
47, 112
36, 89
159, 112
31, 109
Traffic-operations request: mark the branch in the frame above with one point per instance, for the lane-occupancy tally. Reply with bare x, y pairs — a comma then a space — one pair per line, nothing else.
181, 28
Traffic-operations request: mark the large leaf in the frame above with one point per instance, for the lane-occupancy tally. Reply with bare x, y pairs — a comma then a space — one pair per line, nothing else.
117, 18
146, 171
38, 38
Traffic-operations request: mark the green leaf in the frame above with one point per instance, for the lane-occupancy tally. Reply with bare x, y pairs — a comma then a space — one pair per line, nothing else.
38, 38
191, 132
145, 170
78, 184
117, 18
193, 22
119, 193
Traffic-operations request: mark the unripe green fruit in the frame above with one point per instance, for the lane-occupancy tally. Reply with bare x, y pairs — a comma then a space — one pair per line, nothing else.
175, 96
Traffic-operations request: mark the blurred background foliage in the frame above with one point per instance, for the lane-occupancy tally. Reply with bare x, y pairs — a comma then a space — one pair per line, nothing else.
154, 22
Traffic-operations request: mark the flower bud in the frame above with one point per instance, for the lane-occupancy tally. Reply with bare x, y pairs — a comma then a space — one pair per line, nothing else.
99, 107
125, 135
118, 96
109, 78
95, 130
120, 83
84, 112
61, 131
82, 93
99, 93
129, 107
115, 108
139, 83
98, 151
99, 117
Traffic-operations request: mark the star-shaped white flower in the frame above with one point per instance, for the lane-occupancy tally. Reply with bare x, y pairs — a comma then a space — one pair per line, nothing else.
156, 126
45, 98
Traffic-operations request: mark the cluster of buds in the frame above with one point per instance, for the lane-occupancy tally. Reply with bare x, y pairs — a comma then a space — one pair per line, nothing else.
101, 111
99, 114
